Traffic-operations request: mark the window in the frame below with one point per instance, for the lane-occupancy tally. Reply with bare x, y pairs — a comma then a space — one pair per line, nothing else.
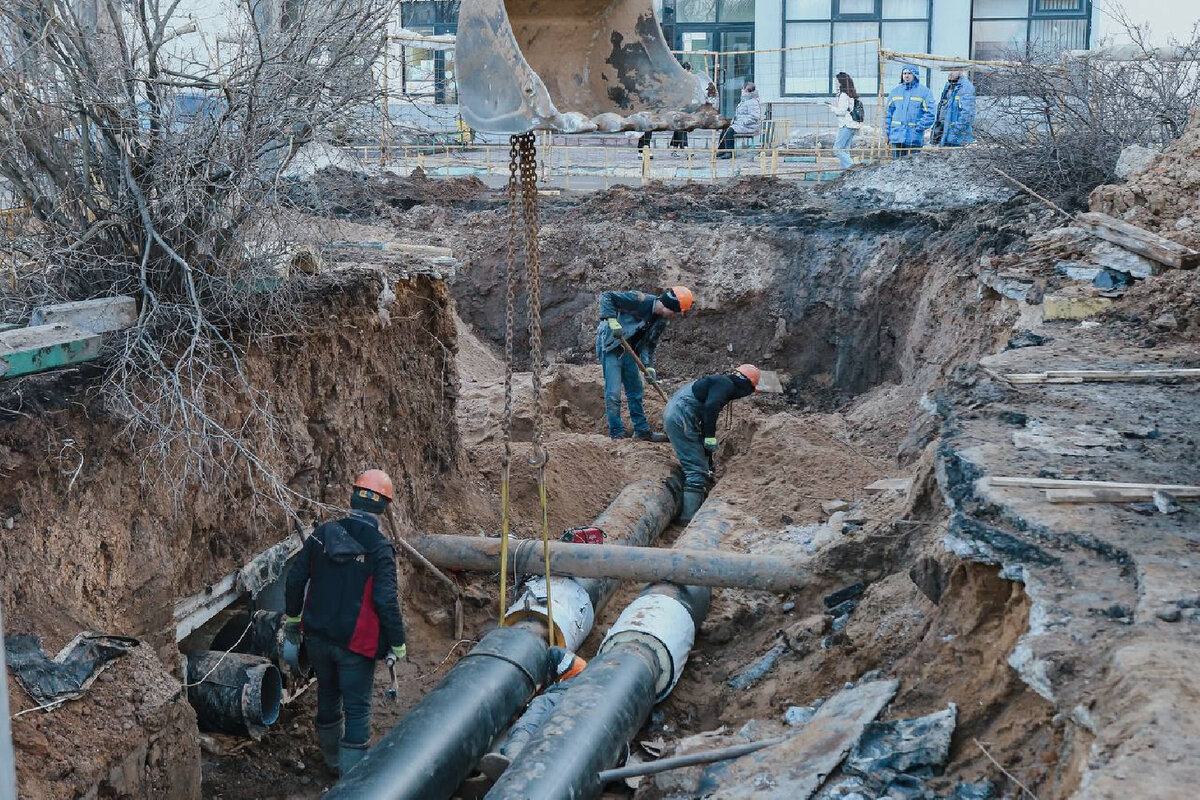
1001, 29
900, 24
714, 10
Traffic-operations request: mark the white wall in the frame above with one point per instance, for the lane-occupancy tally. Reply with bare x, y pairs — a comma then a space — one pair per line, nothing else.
768, 33
1165, 19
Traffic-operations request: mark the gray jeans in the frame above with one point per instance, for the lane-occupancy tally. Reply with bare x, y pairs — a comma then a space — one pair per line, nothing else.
681, 420
531, 721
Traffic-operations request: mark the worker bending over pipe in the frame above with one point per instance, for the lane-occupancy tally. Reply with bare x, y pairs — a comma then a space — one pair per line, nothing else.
691, 424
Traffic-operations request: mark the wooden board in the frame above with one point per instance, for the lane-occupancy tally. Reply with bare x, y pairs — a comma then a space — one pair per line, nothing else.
1097, 375
1064, 483
24, 351
1110, 495
797, 767
1139, 240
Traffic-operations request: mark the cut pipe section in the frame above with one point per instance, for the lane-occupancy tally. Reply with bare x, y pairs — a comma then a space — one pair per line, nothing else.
639, 663
646, 565
433, 749
233, 692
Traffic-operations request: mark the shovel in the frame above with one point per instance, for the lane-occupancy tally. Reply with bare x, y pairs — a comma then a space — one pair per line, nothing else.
441, 576
645, 374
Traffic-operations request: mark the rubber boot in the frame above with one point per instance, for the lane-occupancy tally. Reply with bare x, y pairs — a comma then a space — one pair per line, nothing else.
493, 765
349, 756
692, 500
329, 737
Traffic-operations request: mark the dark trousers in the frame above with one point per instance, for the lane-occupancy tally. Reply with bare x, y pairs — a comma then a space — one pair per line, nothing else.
344, 681
646, 140
726, 142
679, 139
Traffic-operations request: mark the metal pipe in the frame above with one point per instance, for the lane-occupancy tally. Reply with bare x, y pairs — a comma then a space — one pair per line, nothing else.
639, 662
433, 749
234, 692
685, 566
689, 760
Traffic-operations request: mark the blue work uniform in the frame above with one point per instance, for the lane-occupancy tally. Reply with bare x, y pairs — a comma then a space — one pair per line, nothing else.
642, 329
956, 113
910, 112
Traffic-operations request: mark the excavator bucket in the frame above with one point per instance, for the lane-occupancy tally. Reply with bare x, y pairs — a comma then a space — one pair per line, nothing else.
572, 66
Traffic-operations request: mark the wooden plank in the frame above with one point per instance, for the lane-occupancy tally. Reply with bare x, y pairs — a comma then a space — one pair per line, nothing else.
1139, 240
799, 765
100, 315
1064, 483
24, 351
1101, 375
889, 485
1111, 495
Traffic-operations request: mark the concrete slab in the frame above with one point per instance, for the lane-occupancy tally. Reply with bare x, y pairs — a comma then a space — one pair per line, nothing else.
796, 768
24, 351
889, 485
101, 315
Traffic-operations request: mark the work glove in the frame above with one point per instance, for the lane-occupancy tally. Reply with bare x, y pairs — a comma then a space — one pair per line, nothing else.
397, 653
616, 328
652, 374
710, 444
292, 637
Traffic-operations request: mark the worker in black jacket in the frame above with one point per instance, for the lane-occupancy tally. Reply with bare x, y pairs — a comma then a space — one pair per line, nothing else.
351, 618
691, 424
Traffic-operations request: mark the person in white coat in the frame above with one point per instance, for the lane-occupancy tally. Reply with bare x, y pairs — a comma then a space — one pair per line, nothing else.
842, 107
747, 120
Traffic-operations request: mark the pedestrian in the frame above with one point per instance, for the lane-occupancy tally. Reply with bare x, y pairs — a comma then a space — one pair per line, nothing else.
691, 424
955, 112
640, 319
645, 142
706, 93
909, 113
747, 120
564, 667
342, 600
845, 106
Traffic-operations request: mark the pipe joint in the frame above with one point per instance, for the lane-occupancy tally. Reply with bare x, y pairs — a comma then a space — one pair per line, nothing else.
572, 612
665, 626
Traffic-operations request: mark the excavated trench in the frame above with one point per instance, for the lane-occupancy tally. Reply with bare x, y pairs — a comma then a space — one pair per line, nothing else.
862, 311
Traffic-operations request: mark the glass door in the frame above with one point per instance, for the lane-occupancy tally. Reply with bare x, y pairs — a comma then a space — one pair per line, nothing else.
736, 69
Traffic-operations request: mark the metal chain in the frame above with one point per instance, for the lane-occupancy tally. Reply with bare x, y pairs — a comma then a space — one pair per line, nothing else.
509, 315
533, 278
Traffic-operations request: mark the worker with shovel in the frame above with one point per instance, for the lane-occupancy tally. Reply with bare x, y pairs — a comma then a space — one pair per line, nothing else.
349, 617
691, 423
631, 323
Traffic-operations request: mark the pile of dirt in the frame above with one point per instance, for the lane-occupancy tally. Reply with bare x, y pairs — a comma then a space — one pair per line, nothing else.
1165, 197
940, 180
337, 192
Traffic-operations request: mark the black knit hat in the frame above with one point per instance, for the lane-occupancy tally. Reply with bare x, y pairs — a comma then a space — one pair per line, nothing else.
366, 500
669, 300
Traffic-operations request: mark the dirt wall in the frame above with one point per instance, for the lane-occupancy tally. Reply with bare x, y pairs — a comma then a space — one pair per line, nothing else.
96, 540
840, 298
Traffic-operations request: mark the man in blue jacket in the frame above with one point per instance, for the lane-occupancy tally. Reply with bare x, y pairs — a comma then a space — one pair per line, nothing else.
342, 590
909, 112
955, 111
639, 319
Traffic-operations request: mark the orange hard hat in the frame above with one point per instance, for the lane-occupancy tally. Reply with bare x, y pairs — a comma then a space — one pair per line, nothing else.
751, 372
684, 295
377, 481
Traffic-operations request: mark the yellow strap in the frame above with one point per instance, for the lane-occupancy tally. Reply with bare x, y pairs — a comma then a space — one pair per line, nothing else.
503, 543
546, 550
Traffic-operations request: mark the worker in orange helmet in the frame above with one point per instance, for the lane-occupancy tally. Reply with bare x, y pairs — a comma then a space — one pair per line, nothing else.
564, 666
343, 599
639, 319
691, 423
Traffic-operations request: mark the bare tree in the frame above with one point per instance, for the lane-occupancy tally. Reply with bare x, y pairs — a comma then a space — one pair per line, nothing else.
150, 158
1059, 122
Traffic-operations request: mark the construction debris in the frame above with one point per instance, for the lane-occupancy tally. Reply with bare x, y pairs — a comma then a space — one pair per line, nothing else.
917, 747
69, 674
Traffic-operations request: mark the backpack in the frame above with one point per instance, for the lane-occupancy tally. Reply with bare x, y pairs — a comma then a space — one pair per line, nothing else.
857, 113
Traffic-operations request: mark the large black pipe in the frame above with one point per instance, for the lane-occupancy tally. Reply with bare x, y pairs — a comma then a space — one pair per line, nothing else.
606, 705
433, 749
233, 692
611, 699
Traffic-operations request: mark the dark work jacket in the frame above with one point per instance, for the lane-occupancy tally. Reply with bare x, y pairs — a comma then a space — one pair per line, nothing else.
641, 326
352, 600
714, 392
